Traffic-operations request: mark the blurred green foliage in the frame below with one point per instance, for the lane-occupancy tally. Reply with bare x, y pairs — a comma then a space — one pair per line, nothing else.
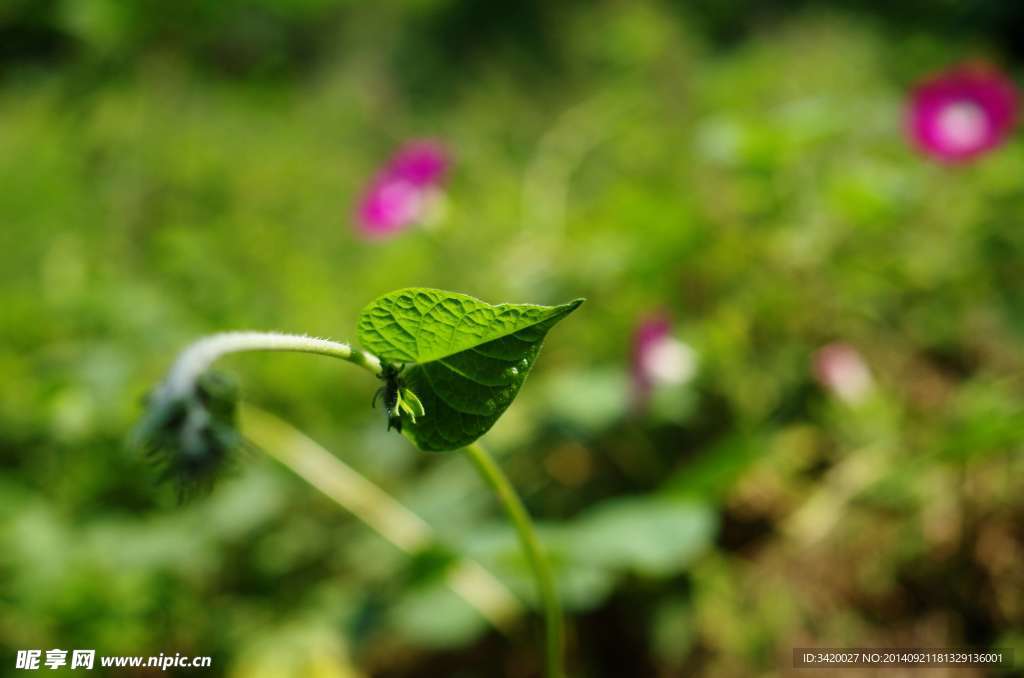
173, 169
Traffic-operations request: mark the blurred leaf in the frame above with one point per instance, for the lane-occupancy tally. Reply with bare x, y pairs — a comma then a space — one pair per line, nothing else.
674, 631
715, 471
648, 535
652, 536
436, 617
984, 418
469, 358
581, 584
306, 648
587, 400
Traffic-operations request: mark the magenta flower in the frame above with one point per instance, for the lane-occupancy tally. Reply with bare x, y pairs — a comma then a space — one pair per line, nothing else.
962, 113
659, 358
421, 163
402, 192
389, 206
840, 368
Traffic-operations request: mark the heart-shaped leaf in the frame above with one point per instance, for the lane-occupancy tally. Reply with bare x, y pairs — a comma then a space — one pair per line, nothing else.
466, 359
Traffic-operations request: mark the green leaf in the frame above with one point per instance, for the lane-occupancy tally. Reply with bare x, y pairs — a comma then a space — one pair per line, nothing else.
651, 535
466, 359
582, 585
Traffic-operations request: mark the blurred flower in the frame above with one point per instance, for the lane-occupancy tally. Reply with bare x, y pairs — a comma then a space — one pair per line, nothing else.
963, 112
401, 193
191, 435
389, 205
421, 163
659, 358
840, 368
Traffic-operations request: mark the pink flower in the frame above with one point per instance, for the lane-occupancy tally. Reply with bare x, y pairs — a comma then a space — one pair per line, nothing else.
390, 204
658, 357
840, 368
962, 113
421, 163
401, 193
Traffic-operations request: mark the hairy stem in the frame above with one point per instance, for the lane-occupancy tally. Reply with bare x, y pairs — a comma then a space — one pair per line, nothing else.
198, 357
554, 633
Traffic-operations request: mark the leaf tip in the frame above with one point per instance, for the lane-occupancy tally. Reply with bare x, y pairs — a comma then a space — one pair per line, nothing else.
572, 305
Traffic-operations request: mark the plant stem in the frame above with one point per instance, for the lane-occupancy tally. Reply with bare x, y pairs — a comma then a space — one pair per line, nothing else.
378, 510
554, 633
198, 357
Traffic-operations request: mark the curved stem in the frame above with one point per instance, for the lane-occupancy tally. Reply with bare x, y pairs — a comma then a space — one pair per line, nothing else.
378, 510
198, 357
531, 545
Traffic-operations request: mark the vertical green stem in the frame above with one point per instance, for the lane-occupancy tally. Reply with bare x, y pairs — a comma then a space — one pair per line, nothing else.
510, 501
